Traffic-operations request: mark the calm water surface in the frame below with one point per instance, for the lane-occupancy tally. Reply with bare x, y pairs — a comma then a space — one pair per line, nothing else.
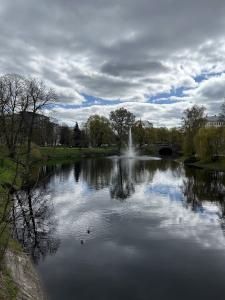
126, 229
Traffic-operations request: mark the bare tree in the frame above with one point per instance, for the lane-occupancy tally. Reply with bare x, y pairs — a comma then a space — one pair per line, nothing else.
13, 101
33, 222
39, 96
20, 100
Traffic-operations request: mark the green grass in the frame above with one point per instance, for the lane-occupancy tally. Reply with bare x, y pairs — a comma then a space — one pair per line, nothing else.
7, 173
44, 155
66, 153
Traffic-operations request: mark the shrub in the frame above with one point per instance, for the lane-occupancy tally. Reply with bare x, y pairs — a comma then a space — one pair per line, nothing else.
209, 143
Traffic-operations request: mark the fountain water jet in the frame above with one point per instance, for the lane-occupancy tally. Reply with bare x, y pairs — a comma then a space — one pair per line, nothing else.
130, 150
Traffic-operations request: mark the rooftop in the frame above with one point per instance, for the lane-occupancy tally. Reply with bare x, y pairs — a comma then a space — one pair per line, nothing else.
214, 118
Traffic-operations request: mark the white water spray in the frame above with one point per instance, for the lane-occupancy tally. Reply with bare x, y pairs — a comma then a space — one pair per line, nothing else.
130, 151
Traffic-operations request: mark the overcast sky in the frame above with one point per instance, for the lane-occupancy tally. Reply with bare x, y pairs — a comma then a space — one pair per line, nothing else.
154, 57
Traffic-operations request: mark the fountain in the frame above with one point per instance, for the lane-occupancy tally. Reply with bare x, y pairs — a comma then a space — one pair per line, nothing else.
130, 153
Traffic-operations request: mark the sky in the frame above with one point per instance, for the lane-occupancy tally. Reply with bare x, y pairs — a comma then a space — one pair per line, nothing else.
153, 57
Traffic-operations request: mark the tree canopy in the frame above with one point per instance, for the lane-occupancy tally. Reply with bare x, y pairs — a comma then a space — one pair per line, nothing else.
193, 119
121, 120
99, 130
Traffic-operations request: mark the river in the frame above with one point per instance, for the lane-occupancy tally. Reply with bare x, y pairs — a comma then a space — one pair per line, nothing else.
117, 228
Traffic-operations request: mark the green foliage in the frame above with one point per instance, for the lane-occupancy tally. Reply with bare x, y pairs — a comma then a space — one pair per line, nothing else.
139, 134
7, 173
11, 172
188, 145
163, 134
176, 136
193, 119
121, 120
99, 131
209, 142
35, 152
151, 135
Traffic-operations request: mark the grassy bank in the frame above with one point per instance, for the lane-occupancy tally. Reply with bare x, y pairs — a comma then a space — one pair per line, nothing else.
61, 153
45, 154
7, 173
8, 289
214, 166
8, 170
41, 155
218, 165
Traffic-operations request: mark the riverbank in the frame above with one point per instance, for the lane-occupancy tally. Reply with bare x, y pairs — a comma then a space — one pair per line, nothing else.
24, 276
9, 279
214, 166
66, 153
45, 155
8, 286
49, 154
218, 165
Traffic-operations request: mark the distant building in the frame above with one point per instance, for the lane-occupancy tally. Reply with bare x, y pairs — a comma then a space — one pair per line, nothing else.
145, 124
214, 121
46, 131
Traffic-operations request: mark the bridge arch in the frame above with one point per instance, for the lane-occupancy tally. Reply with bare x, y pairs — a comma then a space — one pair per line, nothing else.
165, 151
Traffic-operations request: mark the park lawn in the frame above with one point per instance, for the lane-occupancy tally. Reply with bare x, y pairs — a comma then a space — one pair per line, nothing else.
7, 173
63, 153
44, 155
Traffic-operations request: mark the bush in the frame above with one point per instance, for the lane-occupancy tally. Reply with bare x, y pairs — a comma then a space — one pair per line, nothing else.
209, 143
35, 152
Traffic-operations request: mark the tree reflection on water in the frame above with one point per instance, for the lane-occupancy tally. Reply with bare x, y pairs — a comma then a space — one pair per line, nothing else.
122, 180
201, 187
34, 224
34, 221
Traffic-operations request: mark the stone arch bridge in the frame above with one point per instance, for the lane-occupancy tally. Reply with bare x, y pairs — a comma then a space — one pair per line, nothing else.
165, 148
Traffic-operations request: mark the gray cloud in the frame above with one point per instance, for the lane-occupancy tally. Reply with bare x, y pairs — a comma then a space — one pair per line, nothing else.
127, 50
160, 115
136, 68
